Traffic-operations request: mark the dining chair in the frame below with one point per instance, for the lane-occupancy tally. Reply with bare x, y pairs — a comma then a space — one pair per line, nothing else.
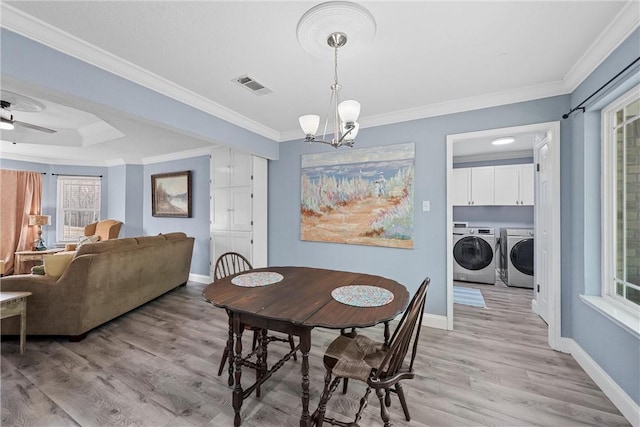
379, 365
233, 263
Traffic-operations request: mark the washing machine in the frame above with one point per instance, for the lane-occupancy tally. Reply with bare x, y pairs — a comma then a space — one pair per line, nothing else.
516, 252
474, 255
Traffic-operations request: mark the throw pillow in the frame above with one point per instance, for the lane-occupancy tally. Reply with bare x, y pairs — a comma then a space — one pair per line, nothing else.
55, 265
38, 269
87, 239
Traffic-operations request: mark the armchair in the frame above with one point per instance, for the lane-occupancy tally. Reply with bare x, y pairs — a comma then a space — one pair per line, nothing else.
106, 229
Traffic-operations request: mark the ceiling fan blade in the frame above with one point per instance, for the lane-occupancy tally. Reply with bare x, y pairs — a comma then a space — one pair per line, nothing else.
34, 127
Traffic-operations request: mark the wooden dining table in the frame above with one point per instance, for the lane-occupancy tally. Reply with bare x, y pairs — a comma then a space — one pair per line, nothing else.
299, 302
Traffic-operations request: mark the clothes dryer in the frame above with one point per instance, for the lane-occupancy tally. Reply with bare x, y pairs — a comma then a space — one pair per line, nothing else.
516, 252
474, 255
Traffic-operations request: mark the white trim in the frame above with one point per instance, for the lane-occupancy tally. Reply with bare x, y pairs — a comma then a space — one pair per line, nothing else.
49, 161
619, 29
434, 321
608, 198
629, 409
177, 156
200, 278
617, 312
553, 132
28, 26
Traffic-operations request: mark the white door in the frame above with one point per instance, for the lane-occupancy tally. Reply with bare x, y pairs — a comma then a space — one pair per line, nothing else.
506, 180
542, 239
526, 185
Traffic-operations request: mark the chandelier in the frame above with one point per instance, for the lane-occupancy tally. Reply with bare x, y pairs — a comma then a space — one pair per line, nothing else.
345, 114
333, 18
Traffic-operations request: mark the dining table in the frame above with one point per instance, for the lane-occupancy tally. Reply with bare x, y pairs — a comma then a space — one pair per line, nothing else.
294, 300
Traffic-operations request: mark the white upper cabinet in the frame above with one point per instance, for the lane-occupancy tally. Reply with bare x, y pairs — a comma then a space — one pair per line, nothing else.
231, 168
514, 185
472, 186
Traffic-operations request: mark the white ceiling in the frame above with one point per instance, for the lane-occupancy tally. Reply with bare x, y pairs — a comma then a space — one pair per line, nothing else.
427, 58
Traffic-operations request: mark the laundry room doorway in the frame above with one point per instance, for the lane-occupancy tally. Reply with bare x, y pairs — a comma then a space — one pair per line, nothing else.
519, 203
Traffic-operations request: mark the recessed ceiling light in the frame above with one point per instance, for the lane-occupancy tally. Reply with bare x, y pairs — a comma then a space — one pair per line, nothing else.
503, 141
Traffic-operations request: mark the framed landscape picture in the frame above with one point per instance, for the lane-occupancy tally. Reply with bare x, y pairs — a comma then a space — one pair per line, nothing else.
171, 194
361, 197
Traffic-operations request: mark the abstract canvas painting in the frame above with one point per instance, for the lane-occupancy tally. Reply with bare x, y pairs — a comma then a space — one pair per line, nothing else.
362, 196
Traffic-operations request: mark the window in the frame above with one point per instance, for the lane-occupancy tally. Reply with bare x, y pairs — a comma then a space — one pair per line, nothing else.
621, 199
78, 205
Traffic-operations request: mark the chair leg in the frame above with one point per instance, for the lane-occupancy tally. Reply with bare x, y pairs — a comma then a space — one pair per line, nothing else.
292, 344
387, 397
326, 393
255, 339
363, 404
403, 401
345, 384
384, 412
228, 355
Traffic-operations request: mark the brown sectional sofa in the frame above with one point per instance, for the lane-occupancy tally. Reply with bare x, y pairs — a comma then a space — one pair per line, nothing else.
103, 281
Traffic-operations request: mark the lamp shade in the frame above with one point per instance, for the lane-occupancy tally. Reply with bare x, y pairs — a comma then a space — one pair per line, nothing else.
349, 110
309, 123
39, 219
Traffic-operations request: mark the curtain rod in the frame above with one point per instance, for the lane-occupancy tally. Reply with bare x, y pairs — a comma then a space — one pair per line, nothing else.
580, 106
66, 174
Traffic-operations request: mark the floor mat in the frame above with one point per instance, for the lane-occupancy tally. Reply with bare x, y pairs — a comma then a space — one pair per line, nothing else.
468, 296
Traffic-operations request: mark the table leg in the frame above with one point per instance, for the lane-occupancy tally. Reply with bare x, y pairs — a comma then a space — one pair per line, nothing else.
23, 324
305, 346
237, 391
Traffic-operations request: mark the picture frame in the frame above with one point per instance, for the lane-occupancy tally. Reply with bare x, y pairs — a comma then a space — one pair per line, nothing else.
171, 194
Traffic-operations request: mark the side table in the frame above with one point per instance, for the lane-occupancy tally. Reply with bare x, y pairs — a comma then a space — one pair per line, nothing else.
15, 304
24, 256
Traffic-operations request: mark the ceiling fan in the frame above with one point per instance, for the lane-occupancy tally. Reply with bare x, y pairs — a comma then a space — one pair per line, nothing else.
7, 122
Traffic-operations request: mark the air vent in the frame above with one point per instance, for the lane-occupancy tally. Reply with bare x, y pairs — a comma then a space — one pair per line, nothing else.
250, 84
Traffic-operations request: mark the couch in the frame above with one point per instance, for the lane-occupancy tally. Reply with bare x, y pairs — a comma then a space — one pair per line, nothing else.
102, 281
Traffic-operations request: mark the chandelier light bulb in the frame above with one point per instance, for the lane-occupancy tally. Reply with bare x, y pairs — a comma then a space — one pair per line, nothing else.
6, 125
309, 124
351, 136
349, 111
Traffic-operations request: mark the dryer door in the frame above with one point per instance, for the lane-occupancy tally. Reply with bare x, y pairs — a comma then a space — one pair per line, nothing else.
473, 253
522, 256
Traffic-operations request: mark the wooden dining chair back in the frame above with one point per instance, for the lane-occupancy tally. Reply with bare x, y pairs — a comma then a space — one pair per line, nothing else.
227, 264
230, 263
381, 366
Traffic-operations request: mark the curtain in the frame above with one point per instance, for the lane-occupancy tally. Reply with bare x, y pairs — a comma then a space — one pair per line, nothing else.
21, 195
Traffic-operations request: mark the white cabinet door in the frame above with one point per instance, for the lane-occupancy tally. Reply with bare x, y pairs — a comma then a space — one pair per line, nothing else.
231, 208
482, 186
460, 186
240, 209
526, 185
230, 168
220, 208
231, 241
514, 185
507, 185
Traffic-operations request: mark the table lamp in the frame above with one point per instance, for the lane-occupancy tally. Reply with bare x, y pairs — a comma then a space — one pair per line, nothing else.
40, 220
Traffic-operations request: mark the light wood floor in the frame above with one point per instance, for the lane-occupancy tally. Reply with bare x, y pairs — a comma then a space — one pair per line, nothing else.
157, 365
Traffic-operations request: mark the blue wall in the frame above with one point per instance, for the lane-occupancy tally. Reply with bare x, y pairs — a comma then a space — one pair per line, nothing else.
428, 257
196, 226
613, 348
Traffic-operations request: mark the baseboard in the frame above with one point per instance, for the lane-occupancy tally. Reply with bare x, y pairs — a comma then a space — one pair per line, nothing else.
434, 321
629, 409
200, 278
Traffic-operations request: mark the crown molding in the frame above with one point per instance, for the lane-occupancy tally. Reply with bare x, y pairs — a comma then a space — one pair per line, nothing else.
616, 32
206, 151
456, 106
49, 161
28, 26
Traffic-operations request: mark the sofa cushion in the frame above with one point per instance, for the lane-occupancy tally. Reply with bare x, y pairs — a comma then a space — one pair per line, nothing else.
150, 240
107, 245
178, 235
55, 265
